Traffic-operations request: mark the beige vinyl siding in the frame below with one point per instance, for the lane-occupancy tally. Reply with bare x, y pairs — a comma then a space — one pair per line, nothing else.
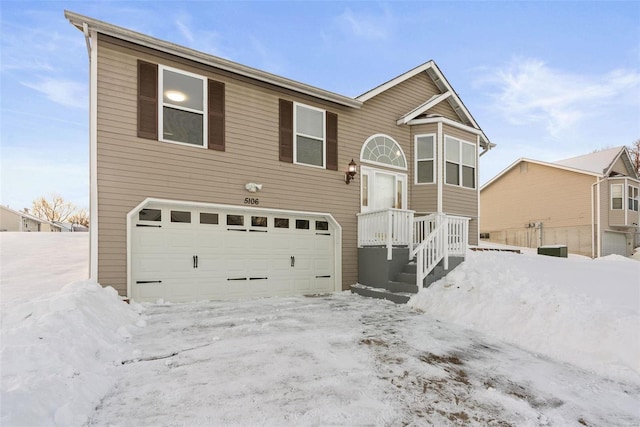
531, 193
9, 221
619, 167
131, 169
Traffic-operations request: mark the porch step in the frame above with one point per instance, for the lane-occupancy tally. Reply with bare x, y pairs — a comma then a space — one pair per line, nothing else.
380, 293
404, 286
397, 286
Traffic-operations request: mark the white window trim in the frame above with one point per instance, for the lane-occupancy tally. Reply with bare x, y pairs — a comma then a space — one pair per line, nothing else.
622, 194
460, 163
416, 159
295, 135
161, 104
631, 198
386, 165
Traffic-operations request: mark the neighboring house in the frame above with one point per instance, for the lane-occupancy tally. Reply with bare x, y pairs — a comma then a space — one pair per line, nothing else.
68, 227
211, 179
11, 220
588, 203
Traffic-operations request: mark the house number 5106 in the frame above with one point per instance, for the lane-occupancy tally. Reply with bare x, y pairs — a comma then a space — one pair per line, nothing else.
251, 201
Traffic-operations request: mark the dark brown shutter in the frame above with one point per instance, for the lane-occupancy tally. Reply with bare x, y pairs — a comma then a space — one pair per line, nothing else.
216, 116
332, 141
147, 100
286, 131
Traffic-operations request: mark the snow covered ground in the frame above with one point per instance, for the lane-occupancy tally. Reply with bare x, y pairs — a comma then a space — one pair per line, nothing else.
505, 339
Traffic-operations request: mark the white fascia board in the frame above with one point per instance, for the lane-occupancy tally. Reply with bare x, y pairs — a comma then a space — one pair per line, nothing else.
447, 121
627, 163
391, 83
453, 123
173, 49
537, 162
435, 100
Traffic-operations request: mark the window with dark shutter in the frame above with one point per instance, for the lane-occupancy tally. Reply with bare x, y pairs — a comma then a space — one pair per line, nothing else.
332, 141
286, 131
147, 100
216, 116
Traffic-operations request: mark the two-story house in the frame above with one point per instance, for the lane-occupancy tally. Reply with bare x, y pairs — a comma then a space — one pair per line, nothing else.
588, 203
211, 179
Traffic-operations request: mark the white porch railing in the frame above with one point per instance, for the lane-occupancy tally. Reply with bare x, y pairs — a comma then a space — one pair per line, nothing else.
387, 227
430, 238
448, 236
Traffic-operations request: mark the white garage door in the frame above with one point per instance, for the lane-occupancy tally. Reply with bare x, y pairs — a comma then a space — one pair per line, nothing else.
180, 254
614, 243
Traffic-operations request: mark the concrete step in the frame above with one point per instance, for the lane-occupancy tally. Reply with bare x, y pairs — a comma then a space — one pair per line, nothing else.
367, 291
402, 287
406, 277
411, 267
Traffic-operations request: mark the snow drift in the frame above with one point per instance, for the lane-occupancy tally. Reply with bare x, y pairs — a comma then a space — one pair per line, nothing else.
56, 353
582, 311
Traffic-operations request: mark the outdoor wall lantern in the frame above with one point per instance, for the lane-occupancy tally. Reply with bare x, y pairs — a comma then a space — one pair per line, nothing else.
351, 172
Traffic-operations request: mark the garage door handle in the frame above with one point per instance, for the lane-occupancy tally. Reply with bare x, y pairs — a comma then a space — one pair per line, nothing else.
322, 277
148, 281
195, 261
293, 261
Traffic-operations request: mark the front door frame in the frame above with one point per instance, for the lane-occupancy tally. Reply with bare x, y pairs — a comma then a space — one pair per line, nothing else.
368, 185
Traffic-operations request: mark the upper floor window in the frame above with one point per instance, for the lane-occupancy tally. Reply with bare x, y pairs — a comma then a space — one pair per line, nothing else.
616, 196
309, 134
633, 198
460, 165
383, 150
183, 107
425, 159
180, 107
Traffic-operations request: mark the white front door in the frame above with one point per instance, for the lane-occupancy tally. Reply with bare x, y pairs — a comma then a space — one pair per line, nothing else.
382, 189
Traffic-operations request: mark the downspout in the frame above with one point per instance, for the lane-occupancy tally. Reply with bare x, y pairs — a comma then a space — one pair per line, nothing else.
594, 253
92, 49
440, 165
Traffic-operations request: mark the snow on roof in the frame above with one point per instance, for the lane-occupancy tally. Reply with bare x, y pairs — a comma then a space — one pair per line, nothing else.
598, 162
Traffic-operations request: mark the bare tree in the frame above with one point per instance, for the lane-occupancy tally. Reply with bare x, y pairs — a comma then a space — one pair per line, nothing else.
80, 217
634, 151
54, 209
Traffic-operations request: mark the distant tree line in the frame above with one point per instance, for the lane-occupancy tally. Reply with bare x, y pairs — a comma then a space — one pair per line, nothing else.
55, 208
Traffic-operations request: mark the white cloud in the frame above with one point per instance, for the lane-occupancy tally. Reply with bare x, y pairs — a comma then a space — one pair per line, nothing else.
61, 91
195, 37
366, 26
529, 92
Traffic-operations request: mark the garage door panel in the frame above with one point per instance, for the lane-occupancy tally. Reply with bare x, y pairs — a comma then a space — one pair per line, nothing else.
261, 257
150, 291
614, 244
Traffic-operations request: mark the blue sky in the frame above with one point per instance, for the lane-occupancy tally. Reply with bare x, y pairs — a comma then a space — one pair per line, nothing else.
545, 80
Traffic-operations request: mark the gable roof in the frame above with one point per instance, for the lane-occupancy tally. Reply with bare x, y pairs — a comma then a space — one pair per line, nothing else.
87, 24
431, 69
598, 164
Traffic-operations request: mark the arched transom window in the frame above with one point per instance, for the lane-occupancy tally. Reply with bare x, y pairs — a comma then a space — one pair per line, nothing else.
383, 150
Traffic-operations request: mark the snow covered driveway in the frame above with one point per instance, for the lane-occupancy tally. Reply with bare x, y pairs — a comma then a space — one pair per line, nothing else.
343, 360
